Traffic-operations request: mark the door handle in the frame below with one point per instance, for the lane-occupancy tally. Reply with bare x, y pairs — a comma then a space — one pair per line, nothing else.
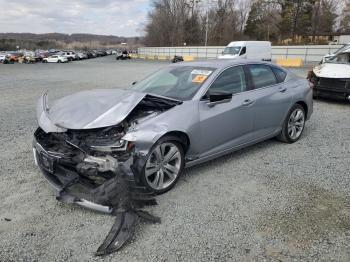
282, 89
247, 102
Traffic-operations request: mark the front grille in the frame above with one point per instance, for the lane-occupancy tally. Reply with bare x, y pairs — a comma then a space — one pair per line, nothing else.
56, 144
334, 83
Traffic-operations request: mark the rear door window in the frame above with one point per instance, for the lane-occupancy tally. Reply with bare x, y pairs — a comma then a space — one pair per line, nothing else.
262, 76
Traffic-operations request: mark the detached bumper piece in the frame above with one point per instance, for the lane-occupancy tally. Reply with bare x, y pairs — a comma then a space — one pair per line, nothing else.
106, 185
332, 87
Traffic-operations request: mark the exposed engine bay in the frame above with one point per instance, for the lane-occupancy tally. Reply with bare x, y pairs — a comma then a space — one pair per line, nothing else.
95, 153
96, 168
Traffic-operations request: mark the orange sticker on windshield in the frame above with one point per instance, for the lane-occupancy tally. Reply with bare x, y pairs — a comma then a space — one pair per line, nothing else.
199, 79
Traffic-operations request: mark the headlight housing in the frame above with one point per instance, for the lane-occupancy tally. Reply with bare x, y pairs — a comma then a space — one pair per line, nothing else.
120, 145
107, 140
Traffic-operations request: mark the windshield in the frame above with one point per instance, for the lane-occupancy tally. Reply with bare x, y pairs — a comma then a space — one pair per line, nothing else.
342, 49
343, 58
180, 83
232, 50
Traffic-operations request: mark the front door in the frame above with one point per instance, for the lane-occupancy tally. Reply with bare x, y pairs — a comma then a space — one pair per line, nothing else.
229, 124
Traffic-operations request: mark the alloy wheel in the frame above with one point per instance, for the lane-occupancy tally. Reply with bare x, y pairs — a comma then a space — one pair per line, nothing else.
163, 166
296, 123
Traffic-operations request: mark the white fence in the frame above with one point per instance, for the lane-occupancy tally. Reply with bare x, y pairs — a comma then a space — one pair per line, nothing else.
309, 53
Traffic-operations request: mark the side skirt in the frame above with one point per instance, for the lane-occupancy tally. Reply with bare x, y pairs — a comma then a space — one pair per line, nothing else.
190, 163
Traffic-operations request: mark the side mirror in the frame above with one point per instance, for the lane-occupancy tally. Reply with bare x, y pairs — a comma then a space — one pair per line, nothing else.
218, 98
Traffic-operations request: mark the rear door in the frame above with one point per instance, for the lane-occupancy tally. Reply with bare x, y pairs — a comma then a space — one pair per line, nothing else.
272, 99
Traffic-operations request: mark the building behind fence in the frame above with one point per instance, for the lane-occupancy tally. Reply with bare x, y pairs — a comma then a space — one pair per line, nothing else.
309, 54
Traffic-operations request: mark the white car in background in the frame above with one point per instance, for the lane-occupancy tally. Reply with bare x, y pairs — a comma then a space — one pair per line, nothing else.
56, 59
331, 79
82, 55
3, 57
70, 55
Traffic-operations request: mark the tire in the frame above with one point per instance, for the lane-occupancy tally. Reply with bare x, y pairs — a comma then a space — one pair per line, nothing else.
44, 61
59, 61
159, 175
293, 125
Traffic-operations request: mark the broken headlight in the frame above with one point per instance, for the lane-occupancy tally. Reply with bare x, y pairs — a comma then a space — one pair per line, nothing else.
120, 145
107, 140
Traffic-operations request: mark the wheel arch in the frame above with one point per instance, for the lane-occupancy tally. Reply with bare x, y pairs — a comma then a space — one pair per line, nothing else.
183, 138
304, 105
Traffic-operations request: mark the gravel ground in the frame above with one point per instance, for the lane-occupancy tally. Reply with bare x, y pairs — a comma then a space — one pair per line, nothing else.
268, 202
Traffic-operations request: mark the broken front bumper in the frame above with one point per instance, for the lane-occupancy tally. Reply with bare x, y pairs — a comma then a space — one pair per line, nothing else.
60, 178
112, 187
332, 87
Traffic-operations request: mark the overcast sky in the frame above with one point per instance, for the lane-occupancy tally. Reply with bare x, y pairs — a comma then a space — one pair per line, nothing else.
106, 17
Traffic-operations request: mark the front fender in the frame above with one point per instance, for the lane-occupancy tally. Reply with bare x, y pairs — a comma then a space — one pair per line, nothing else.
145, 139
182, 118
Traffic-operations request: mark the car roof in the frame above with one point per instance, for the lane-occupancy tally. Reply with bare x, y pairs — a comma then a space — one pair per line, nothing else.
222, 63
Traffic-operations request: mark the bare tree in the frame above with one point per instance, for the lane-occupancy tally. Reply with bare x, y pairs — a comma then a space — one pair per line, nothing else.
174, 22
243, 8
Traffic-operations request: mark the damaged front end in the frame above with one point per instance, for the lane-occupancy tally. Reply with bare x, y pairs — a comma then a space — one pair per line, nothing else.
97, 168
103, 181
70, 160
331, 79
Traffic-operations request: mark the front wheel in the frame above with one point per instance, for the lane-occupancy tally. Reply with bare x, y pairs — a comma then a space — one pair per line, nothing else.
293, 125
164, 166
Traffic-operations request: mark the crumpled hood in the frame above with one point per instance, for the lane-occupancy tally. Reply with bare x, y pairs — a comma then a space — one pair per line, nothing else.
88, 109
330, 70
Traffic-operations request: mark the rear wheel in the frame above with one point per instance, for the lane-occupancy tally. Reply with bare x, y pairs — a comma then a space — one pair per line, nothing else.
293, 125
164, 165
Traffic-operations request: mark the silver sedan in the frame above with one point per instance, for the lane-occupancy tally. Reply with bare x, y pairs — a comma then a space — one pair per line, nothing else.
180, 116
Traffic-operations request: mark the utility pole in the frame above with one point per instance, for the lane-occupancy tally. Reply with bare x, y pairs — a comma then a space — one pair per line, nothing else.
207, 22
206, 6
206, 27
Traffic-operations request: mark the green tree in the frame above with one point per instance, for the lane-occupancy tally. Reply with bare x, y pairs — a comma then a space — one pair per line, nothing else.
263, 21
